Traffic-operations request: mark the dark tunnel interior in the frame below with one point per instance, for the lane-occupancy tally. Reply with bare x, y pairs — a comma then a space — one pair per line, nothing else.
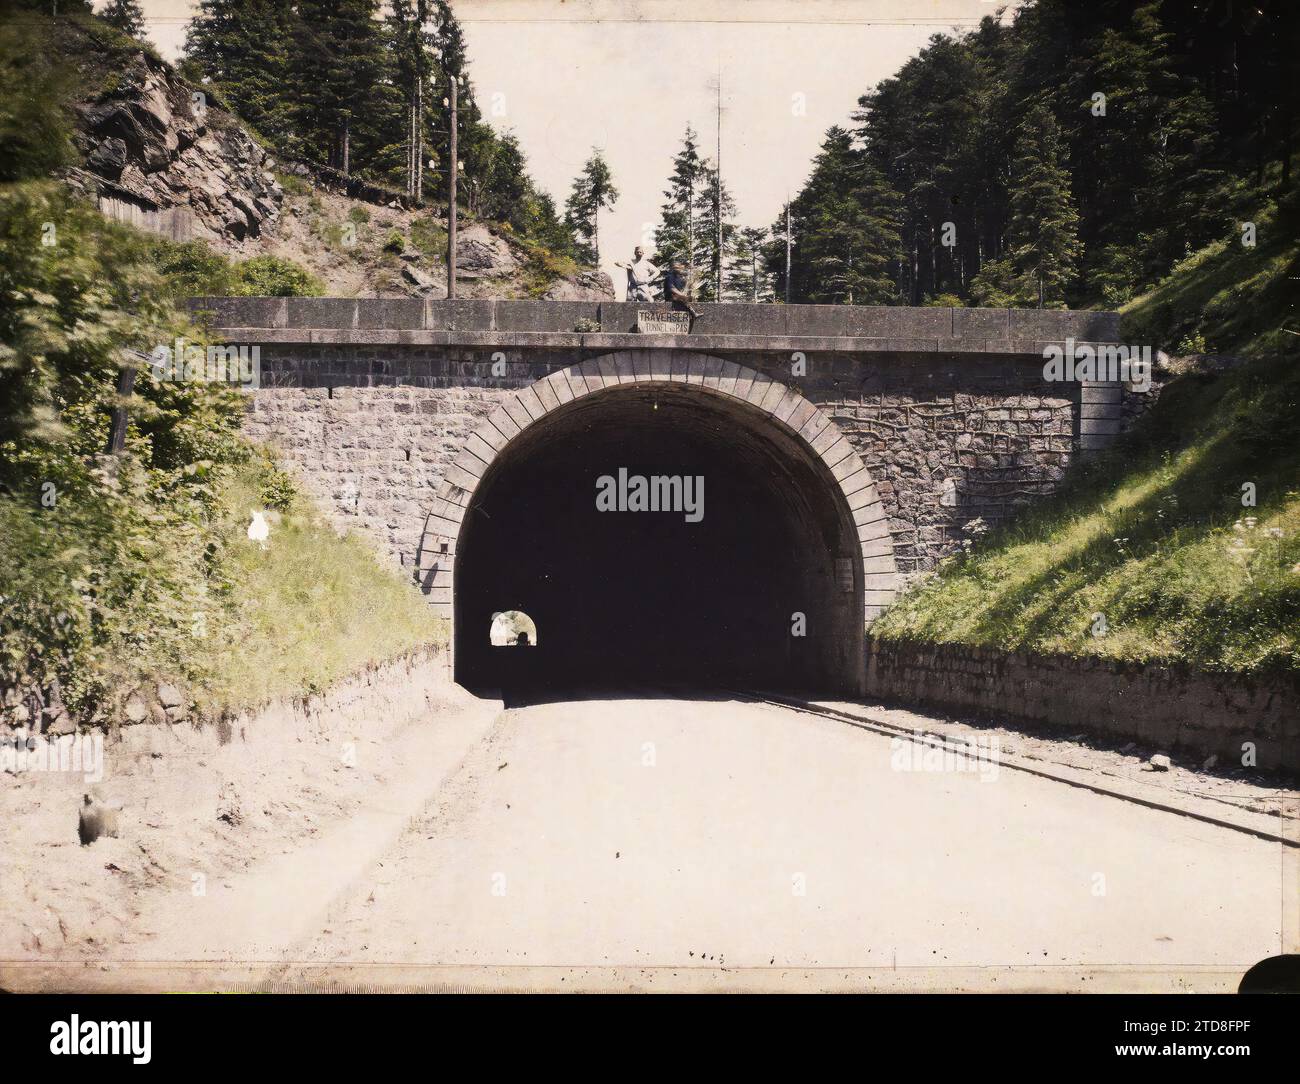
648, 598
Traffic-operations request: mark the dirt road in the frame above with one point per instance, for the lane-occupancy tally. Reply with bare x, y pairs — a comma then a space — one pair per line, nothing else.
623, 843
669, 834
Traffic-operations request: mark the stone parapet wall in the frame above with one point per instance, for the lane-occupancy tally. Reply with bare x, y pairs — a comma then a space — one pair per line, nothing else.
1007, 330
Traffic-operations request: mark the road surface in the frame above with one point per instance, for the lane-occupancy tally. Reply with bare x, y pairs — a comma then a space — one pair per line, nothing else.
664, 833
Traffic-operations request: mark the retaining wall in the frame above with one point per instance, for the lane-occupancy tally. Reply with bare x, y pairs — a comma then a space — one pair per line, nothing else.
1177, 710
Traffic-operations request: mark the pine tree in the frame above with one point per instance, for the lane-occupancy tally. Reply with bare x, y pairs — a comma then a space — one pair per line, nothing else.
714, 214
677, 235
747, 277
546, 226
1158, 145
1156, 104
847, 225
1042, 234
241, 47
126, 15
336, 67
592, 190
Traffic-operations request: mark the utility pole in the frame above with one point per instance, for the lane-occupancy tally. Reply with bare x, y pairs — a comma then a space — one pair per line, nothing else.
717, 197
452, 169
417, 138
787, 248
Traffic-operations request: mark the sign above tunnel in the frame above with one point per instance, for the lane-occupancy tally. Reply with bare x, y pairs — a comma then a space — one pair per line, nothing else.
662, 322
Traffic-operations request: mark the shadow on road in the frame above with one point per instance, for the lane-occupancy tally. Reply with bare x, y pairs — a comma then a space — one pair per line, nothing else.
527, 694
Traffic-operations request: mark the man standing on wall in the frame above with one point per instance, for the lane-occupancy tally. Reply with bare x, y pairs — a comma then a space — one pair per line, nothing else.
641, 274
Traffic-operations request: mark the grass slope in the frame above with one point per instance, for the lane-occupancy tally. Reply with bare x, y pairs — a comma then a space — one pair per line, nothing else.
1228, 297
306, 610
1154, 538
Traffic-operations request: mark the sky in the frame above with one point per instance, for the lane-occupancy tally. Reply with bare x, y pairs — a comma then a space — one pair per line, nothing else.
627, 76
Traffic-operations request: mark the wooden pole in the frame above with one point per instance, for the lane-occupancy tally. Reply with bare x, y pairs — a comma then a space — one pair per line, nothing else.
117, 428
453, 168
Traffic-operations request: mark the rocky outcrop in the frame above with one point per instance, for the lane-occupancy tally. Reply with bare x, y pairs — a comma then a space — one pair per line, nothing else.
584, 286
481, 254
157, 155
489, 265
30, 709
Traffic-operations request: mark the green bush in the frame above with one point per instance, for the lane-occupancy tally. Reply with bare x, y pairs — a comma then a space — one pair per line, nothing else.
102, 563
293, 185
193, 269
278, 490
429, 237
271, 276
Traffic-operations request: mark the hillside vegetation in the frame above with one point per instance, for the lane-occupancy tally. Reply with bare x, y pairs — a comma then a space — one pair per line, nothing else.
1065, 154
1230, 297
1149, 553
119, 572
1105, 155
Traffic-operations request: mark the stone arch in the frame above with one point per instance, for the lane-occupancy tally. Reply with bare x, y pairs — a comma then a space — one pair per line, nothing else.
783, 405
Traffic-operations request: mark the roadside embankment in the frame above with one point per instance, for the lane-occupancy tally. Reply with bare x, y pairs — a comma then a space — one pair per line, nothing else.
231, 836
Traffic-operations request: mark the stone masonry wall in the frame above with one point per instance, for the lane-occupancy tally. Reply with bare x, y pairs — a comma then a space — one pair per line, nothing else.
948, 440
974, 440
371, 457
1173, 710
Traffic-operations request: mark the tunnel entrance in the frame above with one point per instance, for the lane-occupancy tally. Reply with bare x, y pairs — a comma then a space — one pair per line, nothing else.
735, 562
